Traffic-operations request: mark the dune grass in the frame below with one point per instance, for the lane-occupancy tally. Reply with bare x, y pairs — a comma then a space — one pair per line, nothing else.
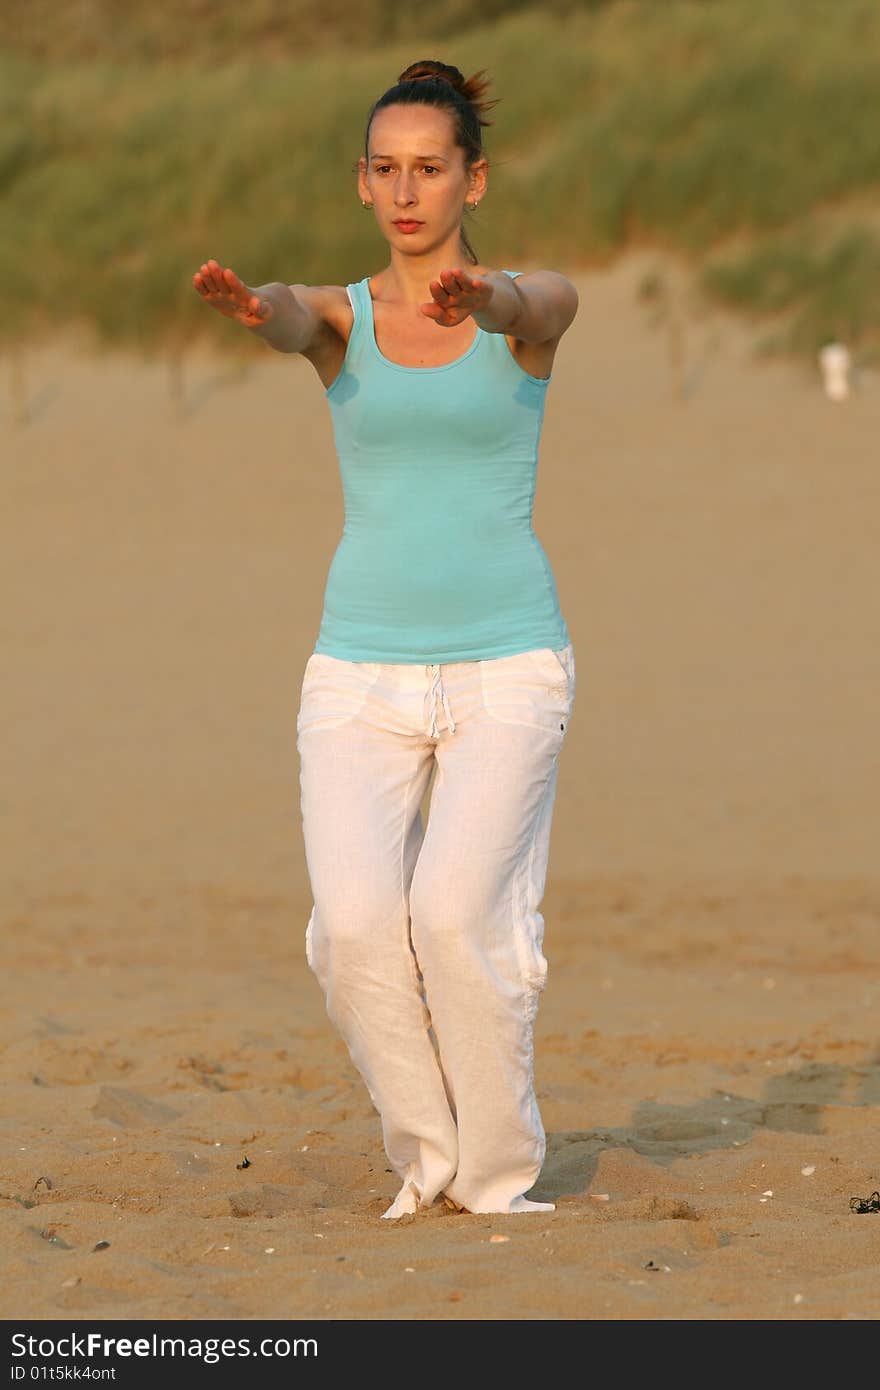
818, 288
715, 128
139, 31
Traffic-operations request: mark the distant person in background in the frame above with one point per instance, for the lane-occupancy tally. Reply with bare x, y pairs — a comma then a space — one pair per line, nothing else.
441, 642
835, 364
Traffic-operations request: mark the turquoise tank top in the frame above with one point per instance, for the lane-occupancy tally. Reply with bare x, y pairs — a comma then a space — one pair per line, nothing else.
438, 560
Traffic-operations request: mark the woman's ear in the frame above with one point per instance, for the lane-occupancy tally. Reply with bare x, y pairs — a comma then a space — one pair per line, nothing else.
479, 173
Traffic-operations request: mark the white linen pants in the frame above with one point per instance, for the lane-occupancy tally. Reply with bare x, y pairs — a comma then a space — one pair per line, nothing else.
427, 940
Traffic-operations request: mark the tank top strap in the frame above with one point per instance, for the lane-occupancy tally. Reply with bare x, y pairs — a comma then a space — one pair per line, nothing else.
359, 295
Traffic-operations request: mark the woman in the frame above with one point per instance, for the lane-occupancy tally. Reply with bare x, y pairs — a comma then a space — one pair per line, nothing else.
441, 642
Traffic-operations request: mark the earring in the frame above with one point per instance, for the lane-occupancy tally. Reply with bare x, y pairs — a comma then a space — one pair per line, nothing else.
365, 205
472, 207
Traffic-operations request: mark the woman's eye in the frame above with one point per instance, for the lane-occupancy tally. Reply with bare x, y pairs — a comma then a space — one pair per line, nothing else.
429, 168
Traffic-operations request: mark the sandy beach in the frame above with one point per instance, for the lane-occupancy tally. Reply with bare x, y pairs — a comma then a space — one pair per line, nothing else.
707, 1057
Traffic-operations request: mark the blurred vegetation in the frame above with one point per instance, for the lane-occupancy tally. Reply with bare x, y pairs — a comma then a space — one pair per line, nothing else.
138, 139
824, 287
135, 31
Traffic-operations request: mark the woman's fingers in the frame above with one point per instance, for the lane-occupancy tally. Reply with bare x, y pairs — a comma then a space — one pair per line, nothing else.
455, 294
451, 281
232, 282
227, 292
240, 292
449, 286
217, 278
223, 286
455, 283
244, 298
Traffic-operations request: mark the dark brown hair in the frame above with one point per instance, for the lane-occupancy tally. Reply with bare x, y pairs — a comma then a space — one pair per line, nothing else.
431, 83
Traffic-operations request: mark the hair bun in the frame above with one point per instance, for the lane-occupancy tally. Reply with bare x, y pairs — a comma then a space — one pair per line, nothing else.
473, 88
430, 67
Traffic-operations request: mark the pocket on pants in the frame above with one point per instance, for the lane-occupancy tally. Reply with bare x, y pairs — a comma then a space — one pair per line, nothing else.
533, 688
334, 691
559, 663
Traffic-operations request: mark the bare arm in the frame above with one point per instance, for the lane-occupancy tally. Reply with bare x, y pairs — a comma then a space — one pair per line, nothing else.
534, 307
275, 312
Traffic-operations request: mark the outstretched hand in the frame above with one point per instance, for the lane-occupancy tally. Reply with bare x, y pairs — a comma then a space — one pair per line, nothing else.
455, 295
222, 289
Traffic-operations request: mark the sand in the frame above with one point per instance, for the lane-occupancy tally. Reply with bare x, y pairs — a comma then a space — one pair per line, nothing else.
707, 1062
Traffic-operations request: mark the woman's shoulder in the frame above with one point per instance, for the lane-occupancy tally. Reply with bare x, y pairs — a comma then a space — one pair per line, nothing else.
329, 302
335, 319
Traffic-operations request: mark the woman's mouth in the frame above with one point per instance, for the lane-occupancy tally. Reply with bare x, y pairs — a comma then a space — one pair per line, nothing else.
407, 224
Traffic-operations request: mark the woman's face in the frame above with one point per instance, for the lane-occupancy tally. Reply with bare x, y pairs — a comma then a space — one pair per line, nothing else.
416, 170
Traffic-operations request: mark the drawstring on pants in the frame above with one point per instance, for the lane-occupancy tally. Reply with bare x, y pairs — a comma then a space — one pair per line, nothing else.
437, 686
